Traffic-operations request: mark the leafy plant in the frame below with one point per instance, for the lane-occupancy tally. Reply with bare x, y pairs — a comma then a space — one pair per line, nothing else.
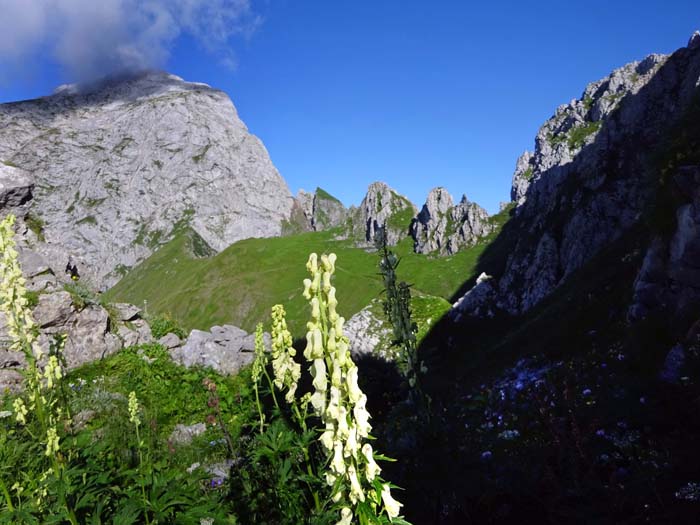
164, 324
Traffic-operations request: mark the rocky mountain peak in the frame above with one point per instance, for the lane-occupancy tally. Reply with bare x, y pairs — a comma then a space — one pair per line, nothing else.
445, 228
383, 206
123, 164
321, 210
694, 40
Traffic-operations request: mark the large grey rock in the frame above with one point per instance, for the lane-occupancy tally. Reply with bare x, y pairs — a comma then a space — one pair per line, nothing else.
368, 333
54, 309
444, 228
16, 186
119, 168
170, 341
33, 263
225, 349
382, 206
134, 332
126, 311
477, 302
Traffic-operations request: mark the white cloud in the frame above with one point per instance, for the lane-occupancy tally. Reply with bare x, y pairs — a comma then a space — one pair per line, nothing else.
90, 38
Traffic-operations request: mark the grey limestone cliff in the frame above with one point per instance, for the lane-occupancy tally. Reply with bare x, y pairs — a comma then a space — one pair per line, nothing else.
595, 174
119, 167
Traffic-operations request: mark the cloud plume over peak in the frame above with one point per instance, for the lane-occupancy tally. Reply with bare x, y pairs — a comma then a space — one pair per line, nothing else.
89, 39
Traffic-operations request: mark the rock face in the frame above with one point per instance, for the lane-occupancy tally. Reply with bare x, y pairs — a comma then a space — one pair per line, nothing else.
91, 332
445, 228
521, 177
119, 167
321, 210
382, 206
594, 175
670, 274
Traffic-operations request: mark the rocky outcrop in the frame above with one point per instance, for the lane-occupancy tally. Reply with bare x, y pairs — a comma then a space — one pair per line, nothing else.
444, 228
382, 207
16, 186
369, 334
477, 302
225, 349
91, 331
521, 177
321, 210
119, 168
576, 124
669, 278
594, 174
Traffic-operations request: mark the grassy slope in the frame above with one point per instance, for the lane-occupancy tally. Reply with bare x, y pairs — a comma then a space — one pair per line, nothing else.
240, 284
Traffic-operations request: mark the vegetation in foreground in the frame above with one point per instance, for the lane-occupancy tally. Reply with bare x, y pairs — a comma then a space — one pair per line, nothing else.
77, 449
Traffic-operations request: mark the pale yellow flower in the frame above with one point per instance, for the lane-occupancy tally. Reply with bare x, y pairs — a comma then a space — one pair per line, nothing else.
371, 467
51, 442
356, 492
20, 411
345, 517
134, 409
393, 507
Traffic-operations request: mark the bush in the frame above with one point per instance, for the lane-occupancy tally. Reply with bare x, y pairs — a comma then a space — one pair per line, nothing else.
162, 325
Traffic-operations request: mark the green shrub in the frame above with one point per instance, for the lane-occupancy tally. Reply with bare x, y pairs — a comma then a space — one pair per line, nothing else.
162, 325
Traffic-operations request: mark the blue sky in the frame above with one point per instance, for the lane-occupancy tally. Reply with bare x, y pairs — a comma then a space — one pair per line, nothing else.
416, 94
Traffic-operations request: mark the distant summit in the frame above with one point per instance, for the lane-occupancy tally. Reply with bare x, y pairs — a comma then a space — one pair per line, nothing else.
122, 164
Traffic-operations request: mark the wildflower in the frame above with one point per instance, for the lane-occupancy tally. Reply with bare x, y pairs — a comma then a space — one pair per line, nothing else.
356, 492
13, 301
345, 517
337, 398
486, 455
134, 409
20, 411
587, 392
392, 506
287, 371
371, 467
260, 356
52, 371
51, 442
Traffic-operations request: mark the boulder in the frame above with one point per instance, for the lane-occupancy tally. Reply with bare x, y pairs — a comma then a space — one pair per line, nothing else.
16, 186
225, 349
